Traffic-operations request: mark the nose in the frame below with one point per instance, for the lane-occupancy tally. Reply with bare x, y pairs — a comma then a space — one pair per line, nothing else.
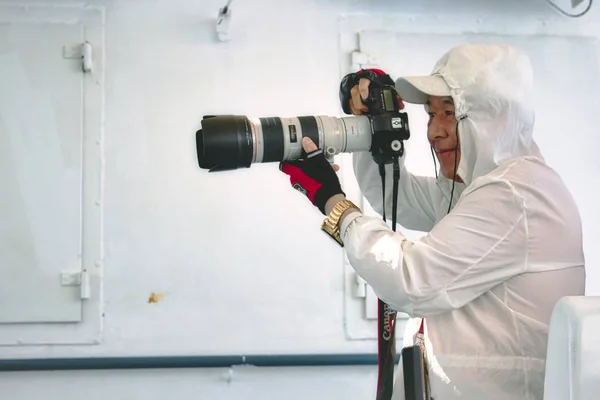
436, 130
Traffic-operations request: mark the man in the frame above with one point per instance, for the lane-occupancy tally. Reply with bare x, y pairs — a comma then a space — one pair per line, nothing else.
504, 239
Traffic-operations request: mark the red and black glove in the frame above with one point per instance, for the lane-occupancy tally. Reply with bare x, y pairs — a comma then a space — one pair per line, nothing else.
350, 80
314, 177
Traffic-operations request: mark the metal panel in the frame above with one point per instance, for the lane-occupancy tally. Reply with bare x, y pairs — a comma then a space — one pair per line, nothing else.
50, 166
40, 173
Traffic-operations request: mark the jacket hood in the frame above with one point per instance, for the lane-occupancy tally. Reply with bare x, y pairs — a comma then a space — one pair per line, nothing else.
492, 89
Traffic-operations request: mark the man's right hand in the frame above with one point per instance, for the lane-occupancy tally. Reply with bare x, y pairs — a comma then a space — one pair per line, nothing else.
359, 93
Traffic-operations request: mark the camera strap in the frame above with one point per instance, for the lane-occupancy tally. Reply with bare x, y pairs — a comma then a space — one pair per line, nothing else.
417, 377
386, 317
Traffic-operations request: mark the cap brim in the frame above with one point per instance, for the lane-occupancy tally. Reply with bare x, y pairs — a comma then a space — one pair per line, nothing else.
417, 89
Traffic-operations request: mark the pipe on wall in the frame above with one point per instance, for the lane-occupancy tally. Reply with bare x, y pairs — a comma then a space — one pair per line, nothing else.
145, 362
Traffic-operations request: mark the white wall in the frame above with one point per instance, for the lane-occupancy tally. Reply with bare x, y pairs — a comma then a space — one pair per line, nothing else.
284, 291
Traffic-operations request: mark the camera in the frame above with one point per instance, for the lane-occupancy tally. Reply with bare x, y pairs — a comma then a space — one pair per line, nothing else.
228, 142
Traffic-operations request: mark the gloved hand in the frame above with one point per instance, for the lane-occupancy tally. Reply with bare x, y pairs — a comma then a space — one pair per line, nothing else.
354, 89
313, 176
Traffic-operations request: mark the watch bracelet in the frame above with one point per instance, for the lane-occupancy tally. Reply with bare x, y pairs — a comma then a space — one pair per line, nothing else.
331, 224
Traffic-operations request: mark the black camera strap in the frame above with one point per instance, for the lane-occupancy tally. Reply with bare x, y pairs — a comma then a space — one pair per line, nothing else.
390, 129
386, 317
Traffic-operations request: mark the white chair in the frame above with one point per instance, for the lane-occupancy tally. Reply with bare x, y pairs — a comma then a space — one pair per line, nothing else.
573, 360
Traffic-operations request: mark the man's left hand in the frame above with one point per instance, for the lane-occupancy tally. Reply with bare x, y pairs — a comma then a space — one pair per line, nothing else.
314, 176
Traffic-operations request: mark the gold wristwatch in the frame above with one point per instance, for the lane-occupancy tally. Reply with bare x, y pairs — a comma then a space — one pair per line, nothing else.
331, 224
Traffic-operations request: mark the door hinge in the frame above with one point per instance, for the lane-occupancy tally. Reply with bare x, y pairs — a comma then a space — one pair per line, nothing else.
82, 51
77, 278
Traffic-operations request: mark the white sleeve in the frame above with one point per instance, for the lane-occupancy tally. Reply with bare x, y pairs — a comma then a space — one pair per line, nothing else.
415, 204
481, 243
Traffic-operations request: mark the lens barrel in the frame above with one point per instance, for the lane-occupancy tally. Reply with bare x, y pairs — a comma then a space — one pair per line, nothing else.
235, 141
228, 142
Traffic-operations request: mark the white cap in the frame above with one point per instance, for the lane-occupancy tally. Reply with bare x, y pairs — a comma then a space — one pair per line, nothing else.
417, 89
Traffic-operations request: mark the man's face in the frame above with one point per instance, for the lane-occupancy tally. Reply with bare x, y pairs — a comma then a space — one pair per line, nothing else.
441, 132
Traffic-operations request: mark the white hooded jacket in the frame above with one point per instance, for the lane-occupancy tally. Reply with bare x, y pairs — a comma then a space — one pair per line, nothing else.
488, 273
